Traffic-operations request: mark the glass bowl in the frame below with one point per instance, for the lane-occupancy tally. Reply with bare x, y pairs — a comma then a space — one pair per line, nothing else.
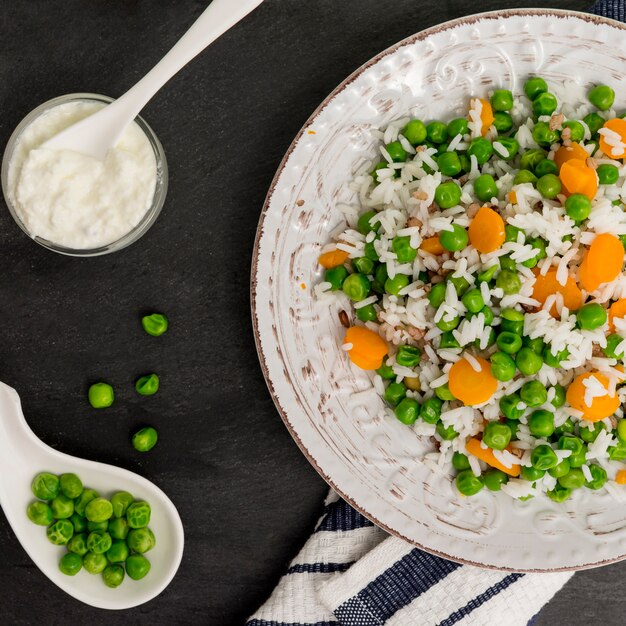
160, 190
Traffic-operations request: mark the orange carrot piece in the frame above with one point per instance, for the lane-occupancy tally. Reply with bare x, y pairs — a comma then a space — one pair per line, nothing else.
601, 407
333, 258
616, 310
620, 477
577, 177
486, 116
432, 245
468, 385
602, 262
617, 125
486, 231
474, 448
512, 197
368, 347
567, 153
547, 285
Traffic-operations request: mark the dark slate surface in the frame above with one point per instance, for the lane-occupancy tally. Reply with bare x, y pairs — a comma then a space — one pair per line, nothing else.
247, 497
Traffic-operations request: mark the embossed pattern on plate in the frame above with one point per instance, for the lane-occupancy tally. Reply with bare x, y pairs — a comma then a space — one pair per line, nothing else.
330, 408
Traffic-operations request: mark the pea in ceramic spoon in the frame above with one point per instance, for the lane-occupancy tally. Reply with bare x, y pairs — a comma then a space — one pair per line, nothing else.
23, 456
95, 135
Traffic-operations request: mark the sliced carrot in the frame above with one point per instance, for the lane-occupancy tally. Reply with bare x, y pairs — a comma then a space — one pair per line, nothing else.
368, 347
567, 153
468, 385
432, 245
617, 125
616, 310
486, 116
601, 406
486, 231
620, 477
547, 285
577, 177
512, 197
474, 448
602, 263
333, 258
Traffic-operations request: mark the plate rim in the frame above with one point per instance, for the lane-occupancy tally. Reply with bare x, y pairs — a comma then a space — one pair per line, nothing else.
411, 39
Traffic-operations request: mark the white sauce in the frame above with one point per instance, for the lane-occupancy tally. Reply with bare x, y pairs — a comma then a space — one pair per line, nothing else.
73, 200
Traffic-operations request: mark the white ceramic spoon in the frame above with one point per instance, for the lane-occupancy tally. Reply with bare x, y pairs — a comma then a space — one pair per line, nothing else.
96, 134
23, 455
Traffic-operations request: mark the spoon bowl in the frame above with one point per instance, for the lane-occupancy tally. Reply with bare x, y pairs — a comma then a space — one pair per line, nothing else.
23, 455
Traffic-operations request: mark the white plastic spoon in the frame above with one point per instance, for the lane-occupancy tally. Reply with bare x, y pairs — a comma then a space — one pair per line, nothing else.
23, 455
96, 134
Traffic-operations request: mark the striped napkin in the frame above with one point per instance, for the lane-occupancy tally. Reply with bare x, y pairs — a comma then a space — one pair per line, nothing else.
351, 573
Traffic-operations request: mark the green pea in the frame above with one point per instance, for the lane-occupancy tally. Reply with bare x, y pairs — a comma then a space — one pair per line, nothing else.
595, 122
364, 224
101, 395
566, 427
544, 135
528, 361
141, 540
468, 484
511, 146
539, 244
395, 393
45, 486
487, 314
541, 423
437, 132
397, 153
70, 564
531, 158
449, 164
591, 316
509, 406
380, 274
99, 542
356, 287
509, 342
589, 435
443, 393
546, 166
394, 285
460, 284
512, 321
559, 493
145, 439
570, 442
485, 187
502, 366
92, 526
509, 282
533, 393
560, 469
460, 462
578, 207
94, 563
554, 360
602, 97
448, 340
473, 300
138, 514
535, 86
60, 532
490, 341
543, 457
370, 251
502, 121
487, 275
386, 372
454, 240
481, 148
494, 479
402, 247
363, 265
437, 294
85, 498
458, 126
574, 479
447, 433
578, 460
502, 100
577, 130
113, 576
524, 176
621, 430
532, 473
99, 510
549, 186
514, 426
78, 544
40, 513
507, 263
511, 233
407, 411
622, 238
415, 132
70, 485
430, 411
408, 356
618, 452
154, 324
448, 324
466, 164
336, 277
496, 435
559, 399
607, 174
367, 313
62, 507
381, 165
447, 195
137, 566
118, 528
544, 104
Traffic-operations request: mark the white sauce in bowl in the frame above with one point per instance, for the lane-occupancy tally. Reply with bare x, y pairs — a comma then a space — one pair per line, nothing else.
73, 200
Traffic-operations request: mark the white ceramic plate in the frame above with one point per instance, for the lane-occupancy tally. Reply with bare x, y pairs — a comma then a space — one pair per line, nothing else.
329, 406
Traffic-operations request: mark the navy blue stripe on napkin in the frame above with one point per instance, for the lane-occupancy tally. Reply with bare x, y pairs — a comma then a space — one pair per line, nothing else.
341, 516
396, 587
262, 622
319, 568
615, 9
